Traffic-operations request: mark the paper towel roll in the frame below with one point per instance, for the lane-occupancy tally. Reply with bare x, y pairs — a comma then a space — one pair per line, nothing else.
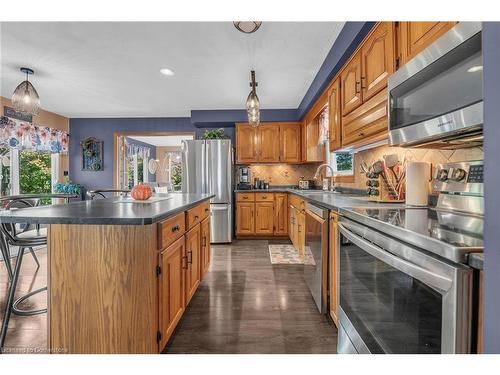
418, 175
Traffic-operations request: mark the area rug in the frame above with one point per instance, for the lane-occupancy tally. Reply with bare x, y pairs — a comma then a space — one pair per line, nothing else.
287, 254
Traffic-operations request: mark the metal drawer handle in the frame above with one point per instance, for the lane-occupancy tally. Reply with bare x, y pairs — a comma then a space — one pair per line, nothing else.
190, 257
184, 263
176, 228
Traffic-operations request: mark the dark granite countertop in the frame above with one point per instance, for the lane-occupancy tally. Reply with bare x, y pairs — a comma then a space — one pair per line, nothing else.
109, 211
476, 260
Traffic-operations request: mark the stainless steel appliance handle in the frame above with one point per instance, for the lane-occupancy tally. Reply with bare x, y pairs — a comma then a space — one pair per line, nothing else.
217, 208
430, 278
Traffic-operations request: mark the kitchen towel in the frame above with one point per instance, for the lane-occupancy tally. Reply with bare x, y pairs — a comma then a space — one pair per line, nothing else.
418, 175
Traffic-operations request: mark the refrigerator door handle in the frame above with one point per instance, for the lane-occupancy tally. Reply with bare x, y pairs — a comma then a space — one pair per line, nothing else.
217, 208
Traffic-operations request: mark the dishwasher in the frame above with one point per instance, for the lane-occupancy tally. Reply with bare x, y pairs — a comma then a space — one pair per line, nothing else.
316, 254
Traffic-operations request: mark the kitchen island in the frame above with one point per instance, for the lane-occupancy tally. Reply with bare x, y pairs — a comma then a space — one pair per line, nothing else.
120, 273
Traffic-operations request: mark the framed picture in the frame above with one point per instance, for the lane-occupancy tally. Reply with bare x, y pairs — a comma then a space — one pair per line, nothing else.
92, 154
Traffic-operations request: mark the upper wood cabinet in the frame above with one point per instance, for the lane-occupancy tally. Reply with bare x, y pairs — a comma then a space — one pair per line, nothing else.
334, 116
413, 37
171, 288
276, 142
377, 60
312, 150
246, 143
290, 142
350, 78
268, 149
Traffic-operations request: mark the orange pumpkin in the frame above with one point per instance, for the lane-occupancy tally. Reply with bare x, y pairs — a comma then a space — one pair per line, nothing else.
141, 192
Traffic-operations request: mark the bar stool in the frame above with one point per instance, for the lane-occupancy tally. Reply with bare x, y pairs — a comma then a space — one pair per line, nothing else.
24, 239
93, 194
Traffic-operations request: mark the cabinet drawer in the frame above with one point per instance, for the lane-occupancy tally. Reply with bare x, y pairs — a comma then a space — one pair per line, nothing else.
193, 217
297, 202
245, 197
264, 197
171, 229
204, 210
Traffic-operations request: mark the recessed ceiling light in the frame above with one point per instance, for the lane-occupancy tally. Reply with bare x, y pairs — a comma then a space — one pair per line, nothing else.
167, 71
475, 68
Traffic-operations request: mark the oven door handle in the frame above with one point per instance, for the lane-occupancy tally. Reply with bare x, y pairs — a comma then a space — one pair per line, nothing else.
430, 278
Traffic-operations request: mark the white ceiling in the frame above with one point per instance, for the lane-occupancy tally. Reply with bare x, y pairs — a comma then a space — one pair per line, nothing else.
162, 140
86, 69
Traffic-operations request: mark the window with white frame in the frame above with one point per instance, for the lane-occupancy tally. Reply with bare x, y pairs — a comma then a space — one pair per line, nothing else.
343, 163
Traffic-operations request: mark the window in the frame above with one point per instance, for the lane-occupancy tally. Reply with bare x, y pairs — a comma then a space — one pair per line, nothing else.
135, 170
343, 163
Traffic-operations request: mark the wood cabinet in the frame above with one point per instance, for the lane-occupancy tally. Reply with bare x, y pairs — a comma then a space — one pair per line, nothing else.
292, 225
377, 60
245, 222
268, 149
171, 288
280, 214
301, 231
193, 250
276, 142
334, 116
414, 37
246, 144
264, 218
297, 221
312, 150
350, 79
333, 275
290, 142
205, 245
364, 88
171, 229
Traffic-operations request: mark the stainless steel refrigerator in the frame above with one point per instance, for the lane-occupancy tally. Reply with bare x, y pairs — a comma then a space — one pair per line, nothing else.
207, 167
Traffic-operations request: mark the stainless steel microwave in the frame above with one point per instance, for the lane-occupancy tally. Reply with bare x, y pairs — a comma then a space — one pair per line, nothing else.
436, 99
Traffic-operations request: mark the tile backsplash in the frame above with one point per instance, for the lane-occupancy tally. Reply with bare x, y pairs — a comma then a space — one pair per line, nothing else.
282, 174
432, 156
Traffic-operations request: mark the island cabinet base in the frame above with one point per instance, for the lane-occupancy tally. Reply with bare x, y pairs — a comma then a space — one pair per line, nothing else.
103, 288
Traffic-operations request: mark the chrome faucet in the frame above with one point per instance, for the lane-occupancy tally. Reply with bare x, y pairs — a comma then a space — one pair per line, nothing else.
316, 175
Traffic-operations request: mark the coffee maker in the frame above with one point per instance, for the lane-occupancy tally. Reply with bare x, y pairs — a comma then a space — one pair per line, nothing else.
244, 178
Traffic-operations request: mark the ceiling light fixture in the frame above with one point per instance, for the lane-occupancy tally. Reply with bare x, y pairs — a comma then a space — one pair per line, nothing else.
25, 98
247, 27
253, 103
167, 72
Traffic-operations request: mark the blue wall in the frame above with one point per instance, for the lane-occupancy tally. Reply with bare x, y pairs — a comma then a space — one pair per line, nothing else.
491, 61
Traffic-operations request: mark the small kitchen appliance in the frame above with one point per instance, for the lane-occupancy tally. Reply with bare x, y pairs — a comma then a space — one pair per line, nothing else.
405, 285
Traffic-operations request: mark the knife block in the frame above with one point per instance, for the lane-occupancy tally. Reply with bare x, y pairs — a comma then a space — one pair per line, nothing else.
382, 189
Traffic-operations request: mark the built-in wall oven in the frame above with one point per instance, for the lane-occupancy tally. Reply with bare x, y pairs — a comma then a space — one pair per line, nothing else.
436, 99
397, 298
316, 254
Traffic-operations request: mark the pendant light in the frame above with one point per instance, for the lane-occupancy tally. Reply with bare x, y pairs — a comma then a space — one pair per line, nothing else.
25, 98
253, 104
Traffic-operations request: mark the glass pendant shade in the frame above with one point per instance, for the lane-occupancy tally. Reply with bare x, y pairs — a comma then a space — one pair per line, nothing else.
253, 104
25, 98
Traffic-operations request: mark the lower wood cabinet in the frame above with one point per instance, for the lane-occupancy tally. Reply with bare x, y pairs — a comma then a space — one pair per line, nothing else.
245, 222
171, 288
333, 268
193, 252
205, 245
280, 214
264, 218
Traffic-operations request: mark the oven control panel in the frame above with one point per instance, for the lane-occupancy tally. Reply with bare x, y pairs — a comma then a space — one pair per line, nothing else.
463, 177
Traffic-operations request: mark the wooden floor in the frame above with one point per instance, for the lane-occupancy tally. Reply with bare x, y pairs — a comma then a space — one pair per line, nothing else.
247, 305
243, 305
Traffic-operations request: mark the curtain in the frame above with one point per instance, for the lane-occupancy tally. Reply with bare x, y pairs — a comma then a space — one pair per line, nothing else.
25, 136
135, 149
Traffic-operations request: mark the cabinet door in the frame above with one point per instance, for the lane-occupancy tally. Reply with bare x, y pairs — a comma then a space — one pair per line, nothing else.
416, 36
280, 214
334, 116
171, 288
246, 143
291, 224
301, 232
333, 267
264, 218
290, 142
377, 59
350, 80
245, 222
268, 149
205, 245
193, 241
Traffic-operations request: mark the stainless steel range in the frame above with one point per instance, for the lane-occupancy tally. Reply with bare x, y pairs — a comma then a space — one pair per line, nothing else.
405, 286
